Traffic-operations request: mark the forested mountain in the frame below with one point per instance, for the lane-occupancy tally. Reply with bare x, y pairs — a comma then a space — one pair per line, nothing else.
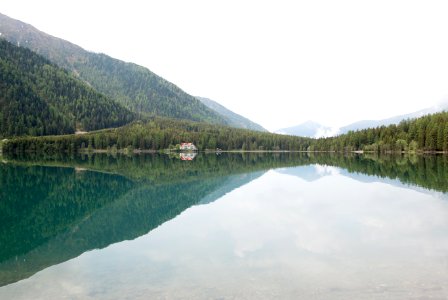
233, 119
139, 89
39, 98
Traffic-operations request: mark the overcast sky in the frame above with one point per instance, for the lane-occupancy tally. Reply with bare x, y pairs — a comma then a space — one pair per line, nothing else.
278, 63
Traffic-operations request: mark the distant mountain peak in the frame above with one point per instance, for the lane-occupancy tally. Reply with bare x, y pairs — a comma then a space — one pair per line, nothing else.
314, 129
363, 124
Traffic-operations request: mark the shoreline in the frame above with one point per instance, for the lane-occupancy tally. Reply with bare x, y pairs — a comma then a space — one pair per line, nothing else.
167, 151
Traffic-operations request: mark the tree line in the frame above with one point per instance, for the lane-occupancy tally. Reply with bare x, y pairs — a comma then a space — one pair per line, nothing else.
428, 133
158, 134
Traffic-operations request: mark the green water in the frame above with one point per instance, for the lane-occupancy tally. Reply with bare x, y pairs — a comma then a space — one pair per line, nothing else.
259, 226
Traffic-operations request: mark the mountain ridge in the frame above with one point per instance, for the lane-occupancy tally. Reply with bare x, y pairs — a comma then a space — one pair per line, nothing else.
234, 119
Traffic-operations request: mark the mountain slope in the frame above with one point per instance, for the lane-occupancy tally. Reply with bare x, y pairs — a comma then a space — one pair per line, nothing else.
39, 98
233, 119
133, 86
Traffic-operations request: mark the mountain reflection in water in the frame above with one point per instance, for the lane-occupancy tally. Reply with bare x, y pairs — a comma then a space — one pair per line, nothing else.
55, 209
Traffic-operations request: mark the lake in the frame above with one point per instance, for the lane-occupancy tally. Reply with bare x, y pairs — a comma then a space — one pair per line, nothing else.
229, 226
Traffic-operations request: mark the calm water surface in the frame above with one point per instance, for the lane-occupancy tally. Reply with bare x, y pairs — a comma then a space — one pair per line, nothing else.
224, 227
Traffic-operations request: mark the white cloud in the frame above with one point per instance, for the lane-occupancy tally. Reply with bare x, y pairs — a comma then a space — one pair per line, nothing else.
326, 131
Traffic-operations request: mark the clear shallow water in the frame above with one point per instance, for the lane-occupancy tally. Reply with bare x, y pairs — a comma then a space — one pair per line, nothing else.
230, 227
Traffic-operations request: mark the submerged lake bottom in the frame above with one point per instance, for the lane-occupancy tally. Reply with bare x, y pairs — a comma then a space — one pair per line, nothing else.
229, 226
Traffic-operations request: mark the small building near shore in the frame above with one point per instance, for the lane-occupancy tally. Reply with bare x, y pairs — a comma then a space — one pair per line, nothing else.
188, 147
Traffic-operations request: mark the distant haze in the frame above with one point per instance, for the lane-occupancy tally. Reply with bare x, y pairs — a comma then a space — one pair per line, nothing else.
316, 130
309, 129
278, 63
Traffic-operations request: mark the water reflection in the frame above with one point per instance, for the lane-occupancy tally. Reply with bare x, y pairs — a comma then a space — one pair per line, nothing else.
52, 214
328, 231
187, 156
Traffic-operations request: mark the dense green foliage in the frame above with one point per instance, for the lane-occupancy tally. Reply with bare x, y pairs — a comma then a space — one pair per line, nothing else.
428, 133
134, 86
141, 90
160, 133
39, 98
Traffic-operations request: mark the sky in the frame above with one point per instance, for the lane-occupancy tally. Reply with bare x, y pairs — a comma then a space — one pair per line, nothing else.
278, 63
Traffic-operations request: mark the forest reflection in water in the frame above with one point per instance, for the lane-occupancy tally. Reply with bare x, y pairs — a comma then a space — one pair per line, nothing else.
56, 208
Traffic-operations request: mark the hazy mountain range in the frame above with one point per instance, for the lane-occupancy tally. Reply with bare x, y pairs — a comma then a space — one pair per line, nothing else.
392, 120
314, 129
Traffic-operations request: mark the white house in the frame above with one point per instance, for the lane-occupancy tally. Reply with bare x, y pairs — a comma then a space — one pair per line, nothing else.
188, 147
